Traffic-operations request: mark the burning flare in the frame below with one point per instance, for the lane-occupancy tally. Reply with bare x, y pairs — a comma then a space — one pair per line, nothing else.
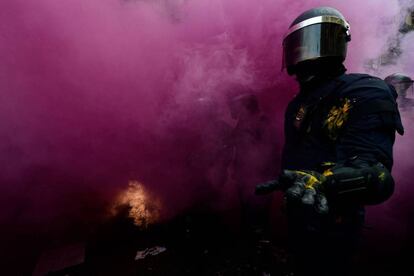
144, 208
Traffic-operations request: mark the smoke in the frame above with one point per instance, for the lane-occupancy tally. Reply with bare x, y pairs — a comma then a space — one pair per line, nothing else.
97, 93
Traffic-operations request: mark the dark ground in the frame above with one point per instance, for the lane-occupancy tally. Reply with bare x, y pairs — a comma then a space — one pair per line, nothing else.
196, 244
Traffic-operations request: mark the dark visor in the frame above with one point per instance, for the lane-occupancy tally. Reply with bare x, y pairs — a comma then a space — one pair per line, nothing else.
314, 41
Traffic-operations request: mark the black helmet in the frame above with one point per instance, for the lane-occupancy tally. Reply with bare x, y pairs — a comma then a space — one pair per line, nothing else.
317, 33
400, 82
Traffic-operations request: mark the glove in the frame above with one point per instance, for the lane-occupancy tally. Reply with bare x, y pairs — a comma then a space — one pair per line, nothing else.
307, 187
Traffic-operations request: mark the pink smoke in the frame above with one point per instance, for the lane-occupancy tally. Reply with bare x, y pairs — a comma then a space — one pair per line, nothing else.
94, 93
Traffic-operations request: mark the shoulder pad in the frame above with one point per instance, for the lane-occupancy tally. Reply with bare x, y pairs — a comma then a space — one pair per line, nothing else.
371, 95
364, 86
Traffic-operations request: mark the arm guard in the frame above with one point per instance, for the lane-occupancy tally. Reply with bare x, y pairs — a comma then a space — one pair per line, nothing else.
363, 184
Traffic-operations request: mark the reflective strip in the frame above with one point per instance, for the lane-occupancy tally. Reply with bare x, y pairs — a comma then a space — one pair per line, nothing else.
318, 20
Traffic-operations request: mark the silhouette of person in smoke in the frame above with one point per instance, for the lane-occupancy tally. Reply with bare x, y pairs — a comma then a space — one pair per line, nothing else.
252, 145
210, 159
403, 85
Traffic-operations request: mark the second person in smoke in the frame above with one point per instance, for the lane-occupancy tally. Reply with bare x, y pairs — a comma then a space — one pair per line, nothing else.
253, 150
403, 84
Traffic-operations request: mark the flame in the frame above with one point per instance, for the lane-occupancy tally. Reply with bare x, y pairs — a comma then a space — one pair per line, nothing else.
144, 208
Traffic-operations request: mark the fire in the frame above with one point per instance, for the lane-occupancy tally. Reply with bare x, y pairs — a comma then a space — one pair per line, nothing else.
144, 208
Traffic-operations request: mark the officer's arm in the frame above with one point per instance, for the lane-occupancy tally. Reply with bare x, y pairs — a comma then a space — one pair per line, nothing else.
364, 153
361, 182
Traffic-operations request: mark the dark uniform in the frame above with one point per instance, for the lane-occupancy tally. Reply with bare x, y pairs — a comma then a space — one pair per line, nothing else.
349, 120
351, 116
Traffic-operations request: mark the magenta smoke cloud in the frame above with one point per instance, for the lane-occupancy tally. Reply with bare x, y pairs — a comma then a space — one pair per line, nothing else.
96, 93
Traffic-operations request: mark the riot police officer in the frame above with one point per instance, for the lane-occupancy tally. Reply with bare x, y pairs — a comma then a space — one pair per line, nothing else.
339, 133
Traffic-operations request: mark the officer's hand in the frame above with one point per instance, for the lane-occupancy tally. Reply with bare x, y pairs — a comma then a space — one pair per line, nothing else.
307, 188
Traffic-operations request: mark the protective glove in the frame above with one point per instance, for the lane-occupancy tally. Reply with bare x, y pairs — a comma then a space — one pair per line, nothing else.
307, 187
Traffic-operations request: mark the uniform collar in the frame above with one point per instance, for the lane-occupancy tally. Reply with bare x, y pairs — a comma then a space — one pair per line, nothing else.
316, 74
320, 89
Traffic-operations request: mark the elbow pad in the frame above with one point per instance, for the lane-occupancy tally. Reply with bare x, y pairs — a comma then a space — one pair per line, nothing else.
365, 185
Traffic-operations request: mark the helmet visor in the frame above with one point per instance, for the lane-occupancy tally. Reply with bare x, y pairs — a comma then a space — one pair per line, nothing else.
312, 42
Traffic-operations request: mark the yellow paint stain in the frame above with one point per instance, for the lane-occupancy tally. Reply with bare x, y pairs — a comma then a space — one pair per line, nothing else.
311, 181
382, 177
327, 173
337, 117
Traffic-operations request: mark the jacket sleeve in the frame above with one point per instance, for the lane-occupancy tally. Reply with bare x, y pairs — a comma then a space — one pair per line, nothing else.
364, 148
